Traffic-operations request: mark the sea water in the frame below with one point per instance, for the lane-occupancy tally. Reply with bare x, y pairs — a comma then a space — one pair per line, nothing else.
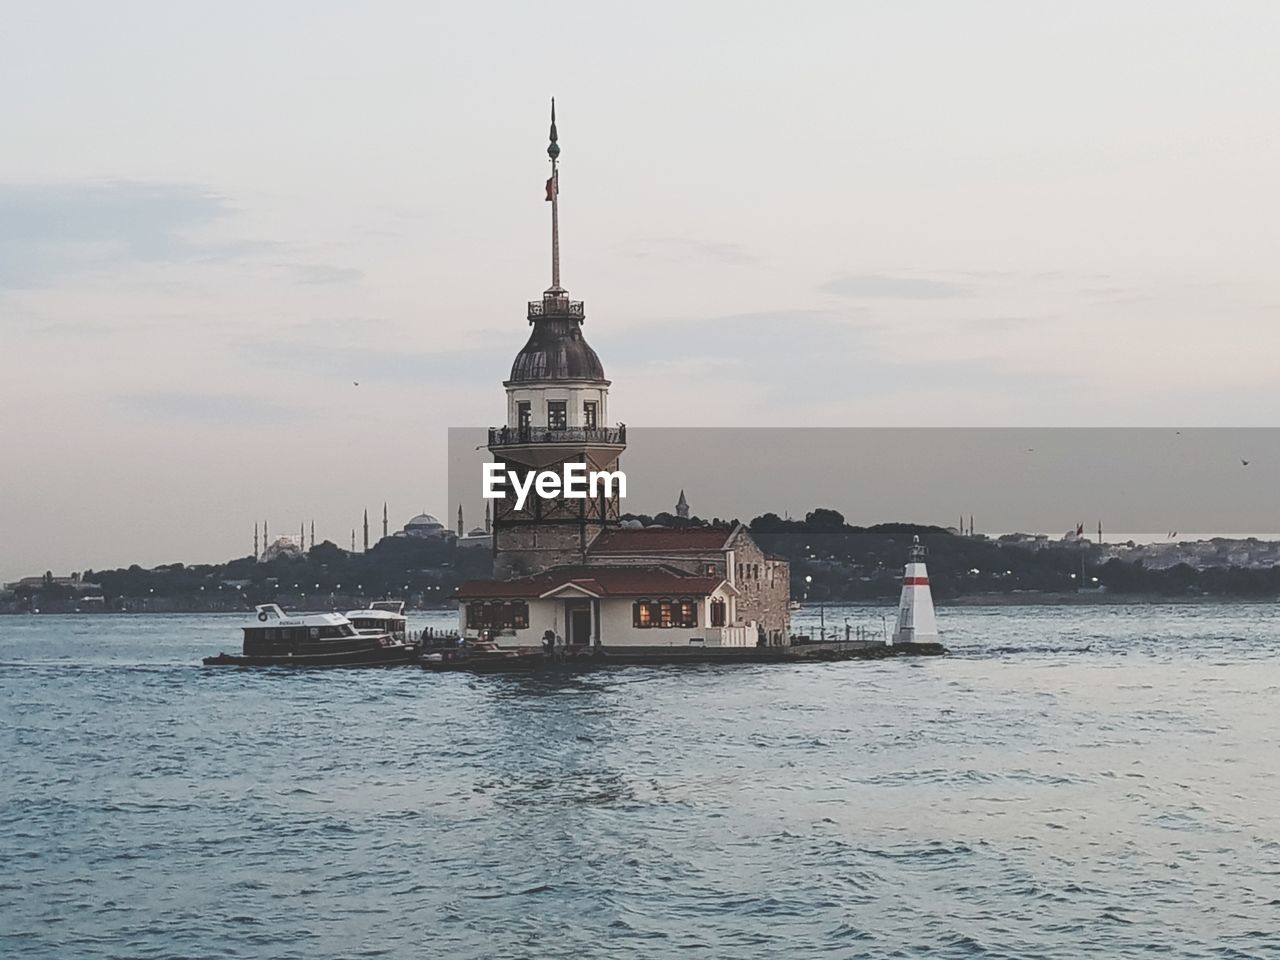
1070, 781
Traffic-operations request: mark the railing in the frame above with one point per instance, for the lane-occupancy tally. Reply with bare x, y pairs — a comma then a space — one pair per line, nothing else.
555, 307
511, 436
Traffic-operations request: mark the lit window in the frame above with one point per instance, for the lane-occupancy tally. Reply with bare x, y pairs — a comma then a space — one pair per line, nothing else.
687, 613
665, 613
524, 415
520, 615
643, 615
589, 414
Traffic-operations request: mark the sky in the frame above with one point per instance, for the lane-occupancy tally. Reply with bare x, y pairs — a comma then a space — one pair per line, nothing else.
216, 218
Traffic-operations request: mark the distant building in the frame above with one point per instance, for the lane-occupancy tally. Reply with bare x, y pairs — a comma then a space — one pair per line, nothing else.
425, 526
682, 507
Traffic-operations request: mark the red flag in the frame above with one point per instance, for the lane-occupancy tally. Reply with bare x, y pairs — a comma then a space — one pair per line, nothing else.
552, 188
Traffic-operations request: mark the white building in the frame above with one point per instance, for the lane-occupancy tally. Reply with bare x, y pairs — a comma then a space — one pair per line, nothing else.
623, 606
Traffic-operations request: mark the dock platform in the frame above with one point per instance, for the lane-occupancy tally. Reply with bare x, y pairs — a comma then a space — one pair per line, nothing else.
631, 656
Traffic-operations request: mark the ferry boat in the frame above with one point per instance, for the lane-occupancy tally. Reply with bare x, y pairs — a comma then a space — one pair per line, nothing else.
381, 616
275, 639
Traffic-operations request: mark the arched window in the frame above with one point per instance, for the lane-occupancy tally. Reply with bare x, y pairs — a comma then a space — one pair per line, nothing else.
687, 613
641, 615
665, 614
519, 615
717, 613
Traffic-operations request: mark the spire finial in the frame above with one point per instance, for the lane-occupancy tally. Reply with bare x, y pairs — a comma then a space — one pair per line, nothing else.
553, 195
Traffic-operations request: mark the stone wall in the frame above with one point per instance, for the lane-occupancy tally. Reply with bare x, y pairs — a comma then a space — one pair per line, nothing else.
764, 588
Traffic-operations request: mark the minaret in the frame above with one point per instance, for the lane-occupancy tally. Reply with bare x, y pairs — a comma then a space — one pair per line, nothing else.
353, 539
682, 507
462, 532
366, 531
557, 413
384, 519
313, 534
256, 553
488, 520
916, 622
302, 537
266, 540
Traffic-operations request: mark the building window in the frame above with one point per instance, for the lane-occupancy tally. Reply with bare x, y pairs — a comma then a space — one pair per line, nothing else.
665, 614
717, 613
558, 414
498, 615
589, 414
686, 613
711, 570
755, 571
524, 415
642, 616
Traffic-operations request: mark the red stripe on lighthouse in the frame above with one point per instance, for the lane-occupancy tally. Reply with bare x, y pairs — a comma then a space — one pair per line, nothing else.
915, 582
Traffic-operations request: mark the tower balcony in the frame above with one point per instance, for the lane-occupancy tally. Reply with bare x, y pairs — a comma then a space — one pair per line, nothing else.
555, 305
522, 436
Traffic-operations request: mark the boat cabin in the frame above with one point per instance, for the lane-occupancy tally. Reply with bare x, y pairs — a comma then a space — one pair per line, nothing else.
274, 632
381, 616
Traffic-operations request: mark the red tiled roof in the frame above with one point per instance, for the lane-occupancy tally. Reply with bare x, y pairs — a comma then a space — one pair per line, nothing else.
600, 581
663, 540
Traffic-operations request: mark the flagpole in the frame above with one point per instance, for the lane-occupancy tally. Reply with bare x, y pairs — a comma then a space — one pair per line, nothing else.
553, 151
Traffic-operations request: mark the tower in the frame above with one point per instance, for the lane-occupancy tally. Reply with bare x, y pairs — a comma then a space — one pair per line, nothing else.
462, 532
488, 520
682, 507
353, 539
384, 519
266, 540
366, 531
916, 622
557, 413
313, 534
302, 537
256, 552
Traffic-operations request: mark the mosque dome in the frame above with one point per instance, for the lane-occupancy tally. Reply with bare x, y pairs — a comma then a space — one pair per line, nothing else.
424, 525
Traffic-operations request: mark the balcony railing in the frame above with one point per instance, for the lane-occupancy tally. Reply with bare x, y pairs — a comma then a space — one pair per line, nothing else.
555, 307
512, 436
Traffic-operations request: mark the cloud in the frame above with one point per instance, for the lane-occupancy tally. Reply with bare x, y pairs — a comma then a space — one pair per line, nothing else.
317, 273
209, 409
343, 363
684, 248
48, 231
882, 287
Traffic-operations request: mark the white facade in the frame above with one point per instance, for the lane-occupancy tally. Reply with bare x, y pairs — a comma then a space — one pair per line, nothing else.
575, 394
576, 616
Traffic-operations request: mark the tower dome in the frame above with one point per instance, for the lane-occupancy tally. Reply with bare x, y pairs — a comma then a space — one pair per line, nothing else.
556, 349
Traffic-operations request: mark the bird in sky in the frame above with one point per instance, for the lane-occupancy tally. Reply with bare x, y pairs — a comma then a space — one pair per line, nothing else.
1244, 463
355, 383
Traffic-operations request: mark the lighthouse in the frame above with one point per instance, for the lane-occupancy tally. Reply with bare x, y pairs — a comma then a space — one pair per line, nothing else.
916, 623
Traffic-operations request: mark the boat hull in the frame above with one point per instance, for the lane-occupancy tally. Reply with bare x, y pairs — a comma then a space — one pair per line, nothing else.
369, 657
